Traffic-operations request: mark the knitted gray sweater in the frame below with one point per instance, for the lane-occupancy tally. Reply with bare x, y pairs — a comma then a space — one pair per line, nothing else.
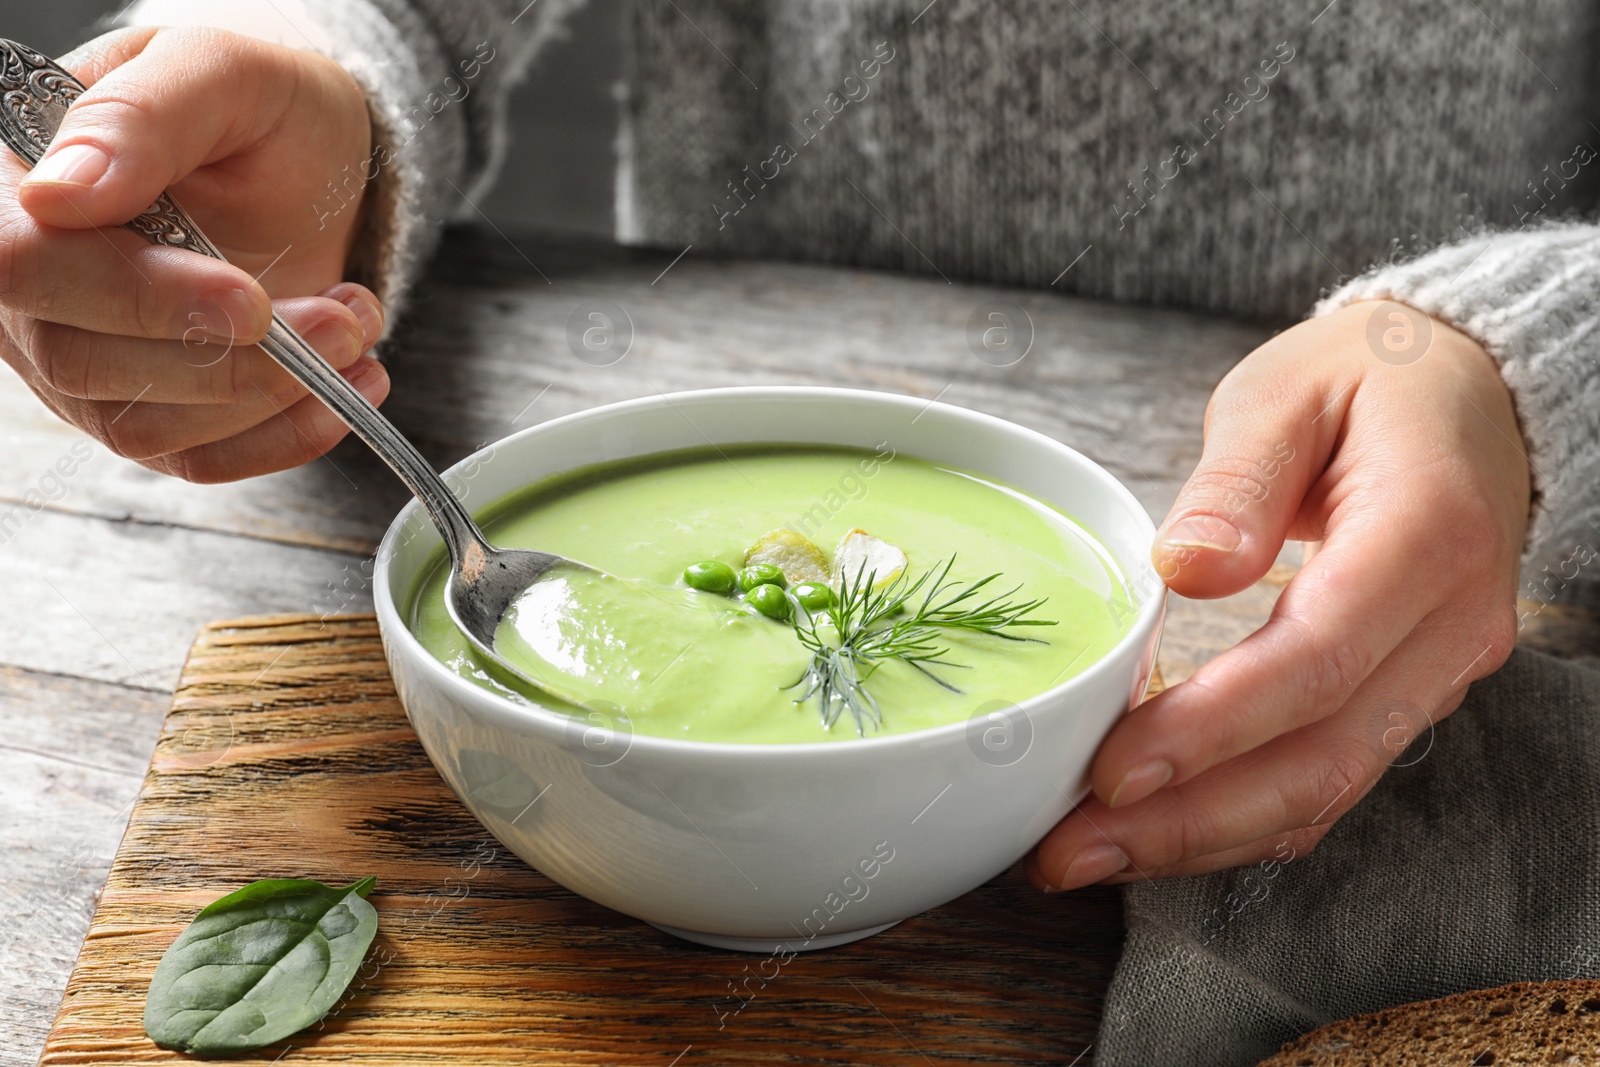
1245, 158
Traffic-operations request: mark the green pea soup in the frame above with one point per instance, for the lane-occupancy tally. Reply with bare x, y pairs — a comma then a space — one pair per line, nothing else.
674, 661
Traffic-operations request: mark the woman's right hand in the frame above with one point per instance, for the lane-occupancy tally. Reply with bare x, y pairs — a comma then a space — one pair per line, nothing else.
151, 349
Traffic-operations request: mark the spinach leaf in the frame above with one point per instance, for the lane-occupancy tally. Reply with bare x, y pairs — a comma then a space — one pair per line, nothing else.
259, 965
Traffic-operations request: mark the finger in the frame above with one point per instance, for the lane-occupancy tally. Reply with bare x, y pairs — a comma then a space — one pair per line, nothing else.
1275, 848
1339, 617
86, 365
113, 281
1268, 437
93, 60
1181, 827
301, 433
1306, 778
150, 120
144, 431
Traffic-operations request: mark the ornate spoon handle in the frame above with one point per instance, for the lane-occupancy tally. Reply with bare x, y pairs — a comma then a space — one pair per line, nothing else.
35, 94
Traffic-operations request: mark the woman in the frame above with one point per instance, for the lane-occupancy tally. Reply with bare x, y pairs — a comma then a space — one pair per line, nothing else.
1413, 425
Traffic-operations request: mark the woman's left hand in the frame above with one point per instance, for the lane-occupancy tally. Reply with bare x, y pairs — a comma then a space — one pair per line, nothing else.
1390, 439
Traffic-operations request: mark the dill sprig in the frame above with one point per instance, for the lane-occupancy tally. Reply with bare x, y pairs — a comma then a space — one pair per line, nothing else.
901, 621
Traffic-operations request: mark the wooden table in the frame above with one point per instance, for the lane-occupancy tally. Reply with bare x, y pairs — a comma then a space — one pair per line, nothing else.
103, 587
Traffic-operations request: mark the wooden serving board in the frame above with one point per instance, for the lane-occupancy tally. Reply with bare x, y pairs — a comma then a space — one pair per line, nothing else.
287, 754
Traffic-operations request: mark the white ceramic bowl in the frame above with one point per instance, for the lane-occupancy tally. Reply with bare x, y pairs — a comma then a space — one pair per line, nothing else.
769, 847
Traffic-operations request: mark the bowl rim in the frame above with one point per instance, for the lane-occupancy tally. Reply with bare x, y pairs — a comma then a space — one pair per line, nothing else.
393, 627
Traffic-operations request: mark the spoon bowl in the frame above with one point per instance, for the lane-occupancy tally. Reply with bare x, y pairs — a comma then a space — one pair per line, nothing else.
35, 95
484, 584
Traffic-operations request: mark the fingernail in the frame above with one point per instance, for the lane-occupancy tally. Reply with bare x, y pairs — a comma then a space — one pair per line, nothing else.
1203, 531
1091, 865
75, 164
367, 376
227, 315
371, 320
335, 342
1141, 782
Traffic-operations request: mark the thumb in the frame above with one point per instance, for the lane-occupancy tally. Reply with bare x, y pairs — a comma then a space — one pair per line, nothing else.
160, 104
1262, 452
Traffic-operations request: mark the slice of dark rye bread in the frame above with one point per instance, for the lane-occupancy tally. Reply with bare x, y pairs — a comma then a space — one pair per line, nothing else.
1522, 1023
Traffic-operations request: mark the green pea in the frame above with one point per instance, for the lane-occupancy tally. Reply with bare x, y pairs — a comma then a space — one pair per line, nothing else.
710, 575
761, 574
769, 600
813, 596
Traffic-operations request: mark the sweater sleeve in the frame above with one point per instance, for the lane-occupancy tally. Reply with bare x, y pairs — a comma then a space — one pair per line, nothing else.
1532, 299
437, 74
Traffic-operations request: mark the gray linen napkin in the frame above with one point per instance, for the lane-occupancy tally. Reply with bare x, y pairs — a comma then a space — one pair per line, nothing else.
1473, 863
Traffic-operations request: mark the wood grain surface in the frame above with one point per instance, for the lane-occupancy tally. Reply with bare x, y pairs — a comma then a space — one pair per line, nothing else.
286, 754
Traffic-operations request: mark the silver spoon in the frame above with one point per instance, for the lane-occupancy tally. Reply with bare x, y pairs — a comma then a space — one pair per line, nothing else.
484, 580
